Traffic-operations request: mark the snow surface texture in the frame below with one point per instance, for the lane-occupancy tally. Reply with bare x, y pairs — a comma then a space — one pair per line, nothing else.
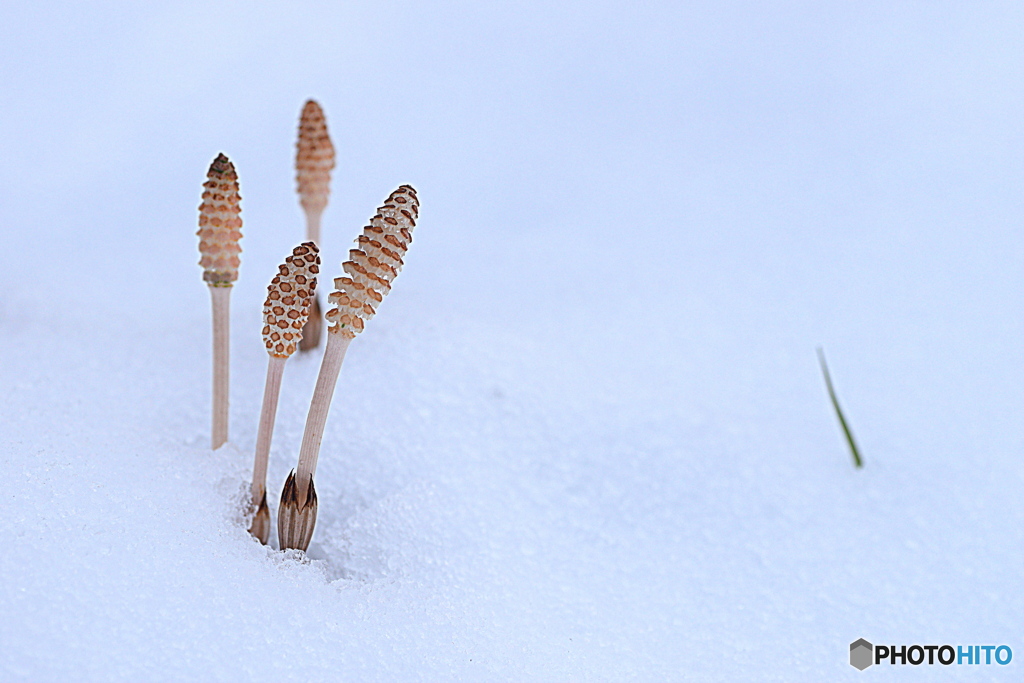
587, 437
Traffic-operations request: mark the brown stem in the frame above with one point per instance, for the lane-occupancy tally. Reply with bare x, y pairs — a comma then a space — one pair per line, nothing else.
220, 297
337, 344
313, 225
311, 330
271, 391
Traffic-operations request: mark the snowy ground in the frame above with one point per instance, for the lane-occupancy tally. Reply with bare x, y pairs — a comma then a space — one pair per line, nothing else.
587, 437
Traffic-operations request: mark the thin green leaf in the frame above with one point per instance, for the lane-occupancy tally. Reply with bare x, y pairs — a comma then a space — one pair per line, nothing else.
839, 413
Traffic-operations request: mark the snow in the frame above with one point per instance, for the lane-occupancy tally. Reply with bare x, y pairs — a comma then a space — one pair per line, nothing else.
586, 437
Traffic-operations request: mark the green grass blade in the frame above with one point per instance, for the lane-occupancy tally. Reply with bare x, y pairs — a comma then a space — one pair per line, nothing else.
839, 413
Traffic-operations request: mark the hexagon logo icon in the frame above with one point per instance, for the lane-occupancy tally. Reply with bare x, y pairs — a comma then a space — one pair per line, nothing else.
861, 654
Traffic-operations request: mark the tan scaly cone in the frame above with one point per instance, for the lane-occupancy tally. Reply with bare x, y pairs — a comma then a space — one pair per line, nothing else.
369, 274
314, 159
220, 228
284, 315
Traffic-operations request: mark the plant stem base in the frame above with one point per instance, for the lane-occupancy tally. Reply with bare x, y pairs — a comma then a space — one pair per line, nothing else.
260, 527
295, 521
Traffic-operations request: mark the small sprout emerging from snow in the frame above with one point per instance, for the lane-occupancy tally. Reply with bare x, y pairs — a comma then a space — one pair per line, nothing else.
314, 159
370, 270
284, 314
220, 229
839, 413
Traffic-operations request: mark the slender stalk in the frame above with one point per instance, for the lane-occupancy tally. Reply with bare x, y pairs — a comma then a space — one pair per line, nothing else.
220, 297
839, 413
313, 217
260, 527
271, 392
337, 345
314, 324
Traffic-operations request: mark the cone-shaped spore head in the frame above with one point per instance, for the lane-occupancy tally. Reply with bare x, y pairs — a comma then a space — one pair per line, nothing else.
220, 224
288, 300
374, 264
314, 159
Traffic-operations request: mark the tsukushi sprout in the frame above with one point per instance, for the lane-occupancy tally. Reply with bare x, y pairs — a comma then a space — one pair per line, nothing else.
314, 159
220, 229
369, 272
284, 315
